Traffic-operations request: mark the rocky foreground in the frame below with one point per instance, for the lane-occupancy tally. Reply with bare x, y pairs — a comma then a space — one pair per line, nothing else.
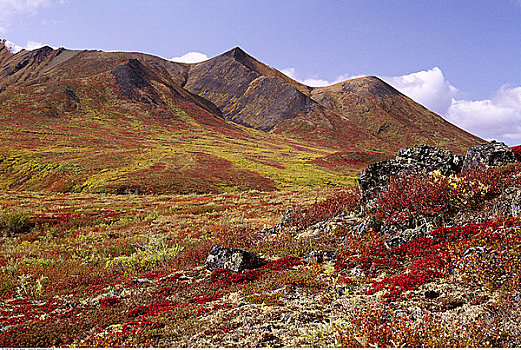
425, 253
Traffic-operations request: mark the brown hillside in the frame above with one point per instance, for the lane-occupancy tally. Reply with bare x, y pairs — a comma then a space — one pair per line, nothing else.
85, 120
392, 117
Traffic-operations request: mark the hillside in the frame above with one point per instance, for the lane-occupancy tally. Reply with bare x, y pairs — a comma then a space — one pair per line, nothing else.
92, 121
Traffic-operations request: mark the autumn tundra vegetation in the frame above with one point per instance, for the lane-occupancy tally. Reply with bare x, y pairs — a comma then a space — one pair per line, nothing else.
148, 203
126, 270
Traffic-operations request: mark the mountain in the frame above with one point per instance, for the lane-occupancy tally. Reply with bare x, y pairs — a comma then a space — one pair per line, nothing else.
85, 120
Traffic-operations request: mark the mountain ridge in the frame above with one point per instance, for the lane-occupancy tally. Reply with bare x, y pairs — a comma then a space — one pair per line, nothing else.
233, 109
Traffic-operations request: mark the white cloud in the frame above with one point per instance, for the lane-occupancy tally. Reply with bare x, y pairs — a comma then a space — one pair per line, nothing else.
33, 45
315, 81
12, 47
10, 9
497, 118
290, 72
190, 57
430, 88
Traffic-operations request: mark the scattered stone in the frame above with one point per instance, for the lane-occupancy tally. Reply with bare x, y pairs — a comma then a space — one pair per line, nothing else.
342, 221
287, 221
419, 227
267, 328
4, 328
451, 304
340, 292
319, 257
232, 259
475, 251
141, 281
431, 294
357, 272
490, 154
510, 205
287, 318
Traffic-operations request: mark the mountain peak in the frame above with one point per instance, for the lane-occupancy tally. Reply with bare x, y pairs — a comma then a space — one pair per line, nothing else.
238, 54
10, 46
363, 85
372, 84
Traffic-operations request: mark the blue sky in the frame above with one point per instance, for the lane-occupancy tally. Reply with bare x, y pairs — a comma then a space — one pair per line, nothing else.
460, 58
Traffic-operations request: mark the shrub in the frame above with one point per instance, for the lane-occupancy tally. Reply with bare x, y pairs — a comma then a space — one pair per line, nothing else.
434, 194
14, 221
147, 257
517, 151
304, 216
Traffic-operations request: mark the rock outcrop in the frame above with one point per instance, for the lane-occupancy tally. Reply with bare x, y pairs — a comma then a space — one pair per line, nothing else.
375, 179
509, 204
422, 158
232, 259
490, 154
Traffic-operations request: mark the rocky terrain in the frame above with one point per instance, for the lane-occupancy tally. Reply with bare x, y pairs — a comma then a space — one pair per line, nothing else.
426, 252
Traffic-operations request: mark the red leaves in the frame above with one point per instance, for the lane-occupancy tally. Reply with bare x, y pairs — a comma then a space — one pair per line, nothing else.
415, 194
283, 263
430, 195
516, 150
163, 306
110, 301
228, 277
428, 255
319, 211
212, 332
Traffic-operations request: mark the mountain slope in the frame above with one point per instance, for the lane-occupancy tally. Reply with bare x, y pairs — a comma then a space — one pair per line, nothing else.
83, 120
360, 113
384, 112
247, 91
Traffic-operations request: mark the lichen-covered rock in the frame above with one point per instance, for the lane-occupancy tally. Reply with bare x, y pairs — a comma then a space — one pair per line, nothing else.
339, 222
287, 221
491, 154
233, 259
419, 227
370, 222
417, 159
509, 204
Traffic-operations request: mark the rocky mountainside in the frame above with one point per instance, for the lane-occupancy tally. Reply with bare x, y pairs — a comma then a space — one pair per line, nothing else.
231, 112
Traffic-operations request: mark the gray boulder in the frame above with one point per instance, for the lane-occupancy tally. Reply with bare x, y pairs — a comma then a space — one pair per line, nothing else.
370, 222
509, 204
490, 154
420, 226
232, 259
375, 177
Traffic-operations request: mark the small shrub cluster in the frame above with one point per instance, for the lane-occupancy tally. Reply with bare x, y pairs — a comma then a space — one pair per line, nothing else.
304, 216
228, 277
15, 221
517, 151
434, 194
428, 258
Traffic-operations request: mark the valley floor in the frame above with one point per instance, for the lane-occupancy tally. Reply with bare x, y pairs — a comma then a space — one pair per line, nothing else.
128, 271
